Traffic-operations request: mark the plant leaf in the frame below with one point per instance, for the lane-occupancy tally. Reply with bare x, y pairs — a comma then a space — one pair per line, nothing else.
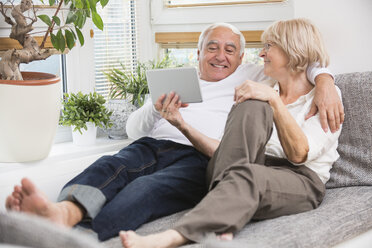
73, 33
104, 3
92, 4
87, 4
51, 2
79, 4
79, 19
61, 41
80, 36
57, 20
70, 40
71, 17
55, 43
45, 19
97, 20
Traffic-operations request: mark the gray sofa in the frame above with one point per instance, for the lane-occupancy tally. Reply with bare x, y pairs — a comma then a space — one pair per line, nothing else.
346, 211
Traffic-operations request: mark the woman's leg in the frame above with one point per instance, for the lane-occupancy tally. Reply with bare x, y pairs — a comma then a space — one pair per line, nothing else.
246, 192
251, 192
247, 130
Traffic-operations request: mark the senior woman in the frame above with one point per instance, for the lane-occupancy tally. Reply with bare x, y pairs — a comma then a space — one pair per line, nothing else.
271, 161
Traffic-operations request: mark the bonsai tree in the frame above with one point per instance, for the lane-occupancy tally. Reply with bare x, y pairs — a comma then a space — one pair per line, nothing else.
62, 32
133, 86
82, 108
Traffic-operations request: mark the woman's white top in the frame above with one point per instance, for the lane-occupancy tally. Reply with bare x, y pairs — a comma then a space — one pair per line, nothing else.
322, 146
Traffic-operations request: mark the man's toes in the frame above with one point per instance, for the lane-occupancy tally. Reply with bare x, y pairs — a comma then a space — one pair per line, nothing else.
27, 186
18, 188
17, 195
8, 202
12, 203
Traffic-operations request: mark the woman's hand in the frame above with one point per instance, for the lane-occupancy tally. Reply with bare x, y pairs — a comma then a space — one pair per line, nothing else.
168, 107
254, 90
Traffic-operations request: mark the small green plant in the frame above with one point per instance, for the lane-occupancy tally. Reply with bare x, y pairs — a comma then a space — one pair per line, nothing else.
133, 86
82, 108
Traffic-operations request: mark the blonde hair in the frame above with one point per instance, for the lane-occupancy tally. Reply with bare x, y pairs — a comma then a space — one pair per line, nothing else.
300, 40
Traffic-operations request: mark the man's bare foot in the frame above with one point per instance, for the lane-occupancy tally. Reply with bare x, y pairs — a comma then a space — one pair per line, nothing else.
167, 239
13, 201
29, 199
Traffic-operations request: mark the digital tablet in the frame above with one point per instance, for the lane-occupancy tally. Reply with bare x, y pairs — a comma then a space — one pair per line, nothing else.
184, 81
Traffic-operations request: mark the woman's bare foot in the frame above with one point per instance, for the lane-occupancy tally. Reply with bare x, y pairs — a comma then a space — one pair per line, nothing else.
29, 199
167, 239
226, 236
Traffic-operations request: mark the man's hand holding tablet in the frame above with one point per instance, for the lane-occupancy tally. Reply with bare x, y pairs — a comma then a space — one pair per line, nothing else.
172, 89
183, 81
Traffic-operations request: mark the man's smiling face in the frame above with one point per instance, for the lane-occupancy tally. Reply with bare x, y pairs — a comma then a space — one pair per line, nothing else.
219, 56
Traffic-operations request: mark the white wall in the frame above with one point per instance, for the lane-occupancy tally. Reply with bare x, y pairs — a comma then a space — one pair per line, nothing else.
346, 27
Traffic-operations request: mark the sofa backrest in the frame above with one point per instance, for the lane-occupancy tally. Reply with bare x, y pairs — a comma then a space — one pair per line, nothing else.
354, 167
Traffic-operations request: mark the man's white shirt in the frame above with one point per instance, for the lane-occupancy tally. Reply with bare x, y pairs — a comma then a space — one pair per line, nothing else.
209, 117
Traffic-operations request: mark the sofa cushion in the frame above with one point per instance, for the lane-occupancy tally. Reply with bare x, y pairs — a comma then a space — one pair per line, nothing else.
31, 231
344, 213
354, 167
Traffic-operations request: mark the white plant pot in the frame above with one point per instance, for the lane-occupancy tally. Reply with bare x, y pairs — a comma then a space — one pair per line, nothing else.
29, 114
87, 138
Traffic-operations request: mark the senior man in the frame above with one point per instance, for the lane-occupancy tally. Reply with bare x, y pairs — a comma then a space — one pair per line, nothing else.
163, 171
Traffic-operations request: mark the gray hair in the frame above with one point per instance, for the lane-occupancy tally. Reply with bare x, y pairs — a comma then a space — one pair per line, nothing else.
226, 25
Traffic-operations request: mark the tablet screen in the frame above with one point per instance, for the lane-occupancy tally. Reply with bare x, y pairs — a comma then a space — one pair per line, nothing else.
184, 81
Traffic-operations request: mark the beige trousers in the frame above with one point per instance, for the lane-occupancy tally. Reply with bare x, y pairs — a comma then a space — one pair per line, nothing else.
245, 184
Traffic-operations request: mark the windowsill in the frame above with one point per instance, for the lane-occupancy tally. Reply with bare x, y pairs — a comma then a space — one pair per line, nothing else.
64, 162
67, 151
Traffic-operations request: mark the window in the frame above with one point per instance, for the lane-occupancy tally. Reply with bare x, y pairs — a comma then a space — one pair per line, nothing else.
189, 56
182, 47
117, 43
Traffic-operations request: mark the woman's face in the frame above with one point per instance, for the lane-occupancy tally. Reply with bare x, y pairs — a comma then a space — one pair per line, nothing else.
275, 60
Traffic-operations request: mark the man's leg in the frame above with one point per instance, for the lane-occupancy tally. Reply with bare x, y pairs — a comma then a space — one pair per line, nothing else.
99, 183
178, 187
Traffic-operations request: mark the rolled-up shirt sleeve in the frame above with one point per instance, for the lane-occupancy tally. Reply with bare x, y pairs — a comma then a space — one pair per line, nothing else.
314, 70
142, 121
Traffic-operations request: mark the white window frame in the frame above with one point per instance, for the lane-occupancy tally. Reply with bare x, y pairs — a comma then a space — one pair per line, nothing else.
249, 16
198, 3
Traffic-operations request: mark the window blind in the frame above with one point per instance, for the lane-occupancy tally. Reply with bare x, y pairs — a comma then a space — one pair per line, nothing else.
117, 43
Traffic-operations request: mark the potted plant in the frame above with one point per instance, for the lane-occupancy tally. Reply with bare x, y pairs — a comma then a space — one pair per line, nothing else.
128, 92
28, 124
84, 113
